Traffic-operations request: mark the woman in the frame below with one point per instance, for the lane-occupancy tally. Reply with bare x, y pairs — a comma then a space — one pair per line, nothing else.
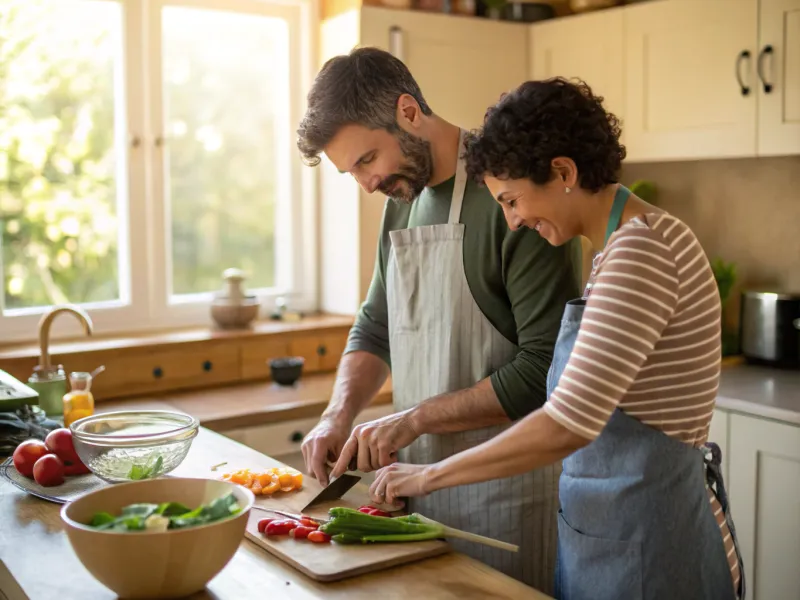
632, 385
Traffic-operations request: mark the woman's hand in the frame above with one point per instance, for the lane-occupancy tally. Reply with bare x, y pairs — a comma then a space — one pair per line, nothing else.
399, 480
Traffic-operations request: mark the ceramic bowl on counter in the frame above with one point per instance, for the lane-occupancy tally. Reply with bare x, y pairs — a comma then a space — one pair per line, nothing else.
133, 445
156, 564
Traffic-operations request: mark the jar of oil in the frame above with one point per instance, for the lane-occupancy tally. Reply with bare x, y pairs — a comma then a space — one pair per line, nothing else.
79, 402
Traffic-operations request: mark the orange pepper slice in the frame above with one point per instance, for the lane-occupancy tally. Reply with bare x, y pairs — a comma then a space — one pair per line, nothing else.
256, 487
298, 480
273, 486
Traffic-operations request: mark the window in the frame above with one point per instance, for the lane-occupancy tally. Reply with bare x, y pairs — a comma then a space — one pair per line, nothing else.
145, 147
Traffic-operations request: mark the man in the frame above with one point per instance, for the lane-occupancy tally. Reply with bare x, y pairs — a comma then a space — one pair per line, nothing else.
465, 311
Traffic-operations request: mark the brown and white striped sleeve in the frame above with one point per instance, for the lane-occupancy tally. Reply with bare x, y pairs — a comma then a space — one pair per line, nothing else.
633, 298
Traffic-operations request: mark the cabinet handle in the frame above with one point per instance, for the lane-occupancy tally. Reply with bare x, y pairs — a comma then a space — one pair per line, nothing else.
767, 50
158, 372
322, 350
296, 437
396, 41
744, 54
207, 366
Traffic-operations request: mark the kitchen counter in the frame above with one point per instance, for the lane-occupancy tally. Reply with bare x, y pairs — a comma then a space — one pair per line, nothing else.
37, 562
761, 392
246, 405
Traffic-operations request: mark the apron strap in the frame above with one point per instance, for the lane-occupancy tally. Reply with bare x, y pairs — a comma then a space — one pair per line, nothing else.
620, 198
460, 184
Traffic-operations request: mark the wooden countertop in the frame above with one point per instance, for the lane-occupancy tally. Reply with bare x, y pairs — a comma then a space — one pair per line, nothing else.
37, 561
246, 405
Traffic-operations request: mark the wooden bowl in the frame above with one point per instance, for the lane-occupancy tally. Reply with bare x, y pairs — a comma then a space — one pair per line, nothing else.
168, 564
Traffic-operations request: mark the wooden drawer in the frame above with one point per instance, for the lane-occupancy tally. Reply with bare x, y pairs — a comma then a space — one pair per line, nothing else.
286, 437
321, 352
139, 371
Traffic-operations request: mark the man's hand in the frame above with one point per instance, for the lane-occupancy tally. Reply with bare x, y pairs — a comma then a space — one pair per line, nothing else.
399, 480
322, 444
375, 444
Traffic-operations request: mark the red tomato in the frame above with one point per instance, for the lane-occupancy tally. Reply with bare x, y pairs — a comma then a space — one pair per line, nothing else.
309, 523
26, 455
262, 524
49, 471
367, 510
281, 527
301, 532
319, 537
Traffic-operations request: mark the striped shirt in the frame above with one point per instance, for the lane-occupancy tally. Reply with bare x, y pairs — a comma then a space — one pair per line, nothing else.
649, 342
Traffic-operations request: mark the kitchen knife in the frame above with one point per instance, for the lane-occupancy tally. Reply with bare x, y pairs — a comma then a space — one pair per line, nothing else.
335, 490
290, 515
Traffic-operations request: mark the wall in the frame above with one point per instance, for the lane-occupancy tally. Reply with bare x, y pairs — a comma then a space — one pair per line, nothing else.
745, 210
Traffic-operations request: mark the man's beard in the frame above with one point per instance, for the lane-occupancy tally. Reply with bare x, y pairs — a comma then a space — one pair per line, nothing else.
414, 174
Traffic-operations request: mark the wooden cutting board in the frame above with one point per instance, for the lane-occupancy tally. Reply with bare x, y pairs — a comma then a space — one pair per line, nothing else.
331, 562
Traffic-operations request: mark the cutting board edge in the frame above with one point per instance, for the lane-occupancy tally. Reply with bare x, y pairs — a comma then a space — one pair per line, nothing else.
438, 548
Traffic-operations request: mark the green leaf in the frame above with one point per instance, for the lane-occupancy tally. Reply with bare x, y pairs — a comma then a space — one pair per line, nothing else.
139, 510
102, 518
172, 509
150, 470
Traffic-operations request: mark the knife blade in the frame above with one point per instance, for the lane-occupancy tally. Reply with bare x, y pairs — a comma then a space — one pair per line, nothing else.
290, 515
335, 490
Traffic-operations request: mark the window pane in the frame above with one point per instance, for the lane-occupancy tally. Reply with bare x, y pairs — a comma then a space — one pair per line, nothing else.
225, 89
59, 62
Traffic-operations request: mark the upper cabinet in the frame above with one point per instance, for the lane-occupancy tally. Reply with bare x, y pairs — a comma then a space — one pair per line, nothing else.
712, 79
690, 79
778, 69
590, 47
462, 65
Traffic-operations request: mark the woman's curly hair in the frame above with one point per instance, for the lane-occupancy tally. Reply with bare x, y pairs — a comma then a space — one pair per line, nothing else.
542, 120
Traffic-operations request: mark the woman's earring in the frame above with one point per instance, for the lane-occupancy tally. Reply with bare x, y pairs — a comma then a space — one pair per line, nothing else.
567, 189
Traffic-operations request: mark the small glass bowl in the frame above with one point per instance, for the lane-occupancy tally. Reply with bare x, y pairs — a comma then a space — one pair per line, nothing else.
133, 445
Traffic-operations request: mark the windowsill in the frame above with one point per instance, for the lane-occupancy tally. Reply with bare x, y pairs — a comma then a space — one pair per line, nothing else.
171, 337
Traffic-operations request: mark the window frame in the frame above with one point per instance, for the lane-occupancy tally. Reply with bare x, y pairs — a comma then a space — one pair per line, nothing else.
144, 276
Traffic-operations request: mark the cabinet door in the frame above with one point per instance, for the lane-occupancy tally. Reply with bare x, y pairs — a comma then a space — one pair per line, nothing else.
682, 97
765, 499
462, 65
589, 47
718, 433
779, 81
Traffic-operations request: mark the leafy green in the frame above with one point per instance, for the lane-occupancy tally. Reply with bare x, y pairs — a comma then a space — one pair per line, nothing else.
143, 517
149, 470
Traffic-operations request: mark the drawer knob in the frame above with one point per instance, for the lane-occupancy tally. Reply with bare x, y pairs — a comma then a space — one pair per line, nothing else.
158, 372
207, 366
296, 437
322, 350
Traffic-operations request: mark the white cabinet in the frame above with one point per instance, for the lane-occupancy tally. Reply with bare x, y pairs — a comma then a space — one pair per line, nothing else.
765, 499
683, 99
719, 434
589, 47
778, 67
712, 79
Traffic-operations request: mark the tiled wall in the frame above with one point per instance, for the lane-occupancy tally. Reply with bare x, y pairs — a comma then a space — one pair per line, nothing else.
745, 210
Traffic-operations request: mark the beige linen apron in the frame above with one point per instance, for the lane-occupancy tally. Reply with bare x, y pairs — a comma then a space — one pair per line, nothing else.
441, 342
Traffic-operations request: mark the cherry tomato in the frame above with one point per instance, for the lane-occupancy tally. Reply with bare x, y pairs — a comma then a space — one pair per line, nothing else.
301, 532
262, 524
376, 512
366, 510
281, 527
319, 537
309, 523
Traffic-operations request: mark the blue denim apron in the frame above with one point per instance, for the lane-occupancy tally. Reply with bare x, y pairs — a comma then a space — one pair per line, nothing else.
635, 520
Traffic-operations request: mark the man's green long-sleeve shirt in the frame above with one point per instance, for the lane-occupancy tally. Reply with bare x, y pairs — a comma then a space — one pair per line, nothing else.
519, 281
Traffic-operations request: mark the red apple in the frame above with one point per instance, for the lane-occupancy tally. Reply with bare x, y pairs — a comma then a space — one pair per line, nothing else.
59, 442
26, 455
49, 471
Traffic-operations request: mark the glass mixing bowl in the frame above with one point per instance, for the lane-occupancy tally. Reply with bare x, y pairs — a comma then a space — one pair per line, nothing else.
133, 445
